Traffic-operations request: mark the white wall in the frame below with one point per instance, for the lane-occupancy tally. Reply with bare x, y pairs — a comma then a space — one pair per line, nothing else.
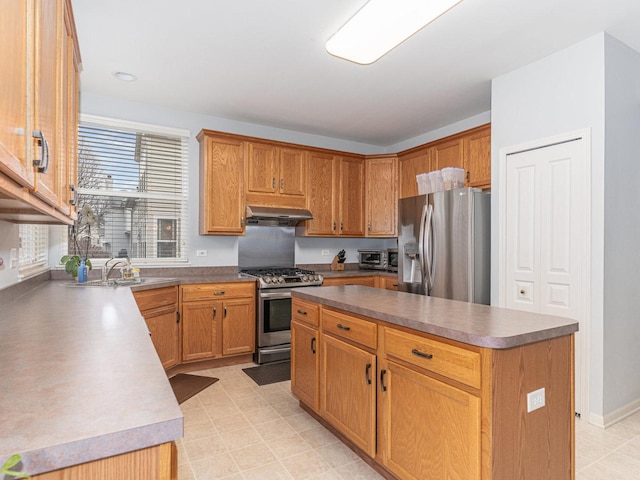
622, 229
8, 240
593, 84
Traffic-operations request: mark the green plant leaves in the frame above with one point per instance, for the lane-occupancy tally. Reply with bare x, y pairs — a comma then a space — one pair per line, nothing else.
11, 462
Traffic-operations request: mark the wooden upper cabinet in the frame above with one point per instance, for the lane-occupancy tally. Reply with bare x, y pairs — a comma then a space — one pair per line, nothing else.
15, 160
321, 195
275, 175
351, 194
381, 196
477, 157
447, 153
411, 164
221, 185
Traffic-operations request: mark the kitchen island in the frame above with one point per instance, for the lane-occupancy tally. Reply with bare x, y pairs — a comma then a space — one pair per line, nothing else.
424, 387
81, 384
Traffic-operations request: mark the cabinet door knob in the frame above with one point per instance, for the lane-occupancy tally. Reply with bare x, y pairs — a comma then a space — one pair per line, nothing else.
334, 226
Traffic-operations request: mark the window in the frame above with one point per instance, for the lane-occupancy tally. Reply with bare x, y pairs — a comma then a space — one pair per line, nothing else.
33, 256
133, 180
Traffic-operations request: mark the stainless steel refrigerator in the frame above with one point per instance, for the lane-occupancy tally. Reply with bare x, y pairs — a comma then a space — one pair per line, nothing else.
444, 245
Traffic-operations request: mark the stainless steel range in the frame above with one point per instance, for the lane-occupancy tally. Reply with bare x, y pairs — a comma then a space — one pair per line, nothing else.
267, 253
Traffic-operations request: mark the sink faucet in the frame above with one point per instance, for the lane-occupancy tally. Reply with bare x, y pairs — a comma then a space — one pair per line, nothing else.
106, 269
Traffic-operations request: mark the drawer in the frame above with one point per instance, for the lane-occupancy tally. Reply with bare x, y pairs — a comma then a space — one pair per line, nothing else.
350, 328
305, 312
447, 360
158, 297
208, 291
338, 281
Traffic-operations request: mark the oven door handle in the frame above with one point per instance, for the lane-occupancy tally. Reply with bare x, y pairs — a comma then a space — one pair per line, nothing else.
276, 295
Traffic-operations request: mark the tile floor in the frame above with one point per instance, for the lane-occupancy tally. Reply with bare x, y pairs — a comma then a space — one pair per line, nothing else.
236, 430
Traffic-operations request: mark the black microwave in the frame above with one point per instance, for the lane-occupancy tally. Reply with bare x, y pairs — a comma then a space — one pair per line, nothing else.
372, 259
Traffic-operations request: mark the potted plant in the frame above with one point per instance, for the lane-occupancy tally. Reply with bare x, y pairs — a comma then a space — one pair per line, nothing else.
80, 234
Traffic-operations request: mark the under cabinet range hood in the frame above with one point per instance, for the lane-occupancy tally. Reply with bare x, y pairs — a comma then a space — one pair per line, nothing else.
276, 216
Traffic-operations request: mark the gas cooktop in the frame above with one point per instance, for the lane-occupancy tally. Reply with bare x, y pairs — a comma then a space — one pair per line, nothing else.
284, 277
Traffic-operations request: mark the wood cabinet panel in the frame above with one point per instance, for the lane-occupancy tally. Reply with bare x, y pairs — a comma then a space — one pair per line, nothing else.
157, 297
350, 328
293, 172
221, 185
305, 312
351, 193
389, 283
322, 198
305, 364
432, 430
453, 362
448, 153
477, 158
348, 398
211, 291
238, 326
201, 338
164, 327
262, 169
360, 280
381, 196
411, 164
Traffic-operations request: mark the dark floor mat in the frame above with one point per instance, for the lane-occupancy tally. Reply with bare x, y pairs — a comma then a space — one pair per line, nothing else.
186, 386
270, 373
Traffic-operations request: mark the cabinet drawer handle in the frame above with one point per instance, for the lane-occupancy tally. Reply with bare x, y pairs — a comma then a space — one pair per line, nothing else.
418, 353
219, 292
366, 373
313, 345
383, 387
342, 327
302, 312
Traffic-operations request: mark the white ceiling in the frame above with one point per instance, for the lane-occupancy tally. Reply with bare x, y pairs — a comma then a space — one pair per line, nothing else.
264, 62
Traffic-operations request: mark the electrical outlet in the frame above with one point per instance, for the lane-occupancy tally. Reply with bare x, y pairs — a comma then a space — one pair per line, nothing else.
535, 400
201, 253
325, 252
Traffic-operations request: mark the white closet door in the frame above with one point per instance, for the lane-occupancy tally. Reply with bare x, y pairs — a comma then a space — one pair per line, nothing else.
544, 222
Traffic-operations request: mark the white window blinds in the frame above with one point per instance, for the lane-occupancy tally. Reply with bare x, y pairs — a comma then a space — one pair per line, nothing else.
33, 254
133, 178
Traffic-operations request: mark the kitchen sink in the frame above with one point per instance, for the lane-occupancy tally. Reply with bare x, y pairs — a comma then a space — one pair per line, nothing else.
113, 282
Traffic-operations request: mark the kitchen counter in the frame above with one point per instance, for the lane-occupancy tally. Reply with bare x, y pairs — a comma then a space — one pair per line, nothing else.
479, 325
80, 379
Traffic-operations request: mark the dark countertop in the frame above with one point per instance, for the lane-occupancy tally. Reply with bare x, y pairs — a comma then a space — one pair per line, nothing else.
479, 325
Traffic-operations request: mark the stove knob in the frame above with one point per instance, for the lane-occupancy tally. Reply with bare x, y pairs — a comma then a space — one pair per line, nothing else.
280, 279
267, 279
316, 278
305, 278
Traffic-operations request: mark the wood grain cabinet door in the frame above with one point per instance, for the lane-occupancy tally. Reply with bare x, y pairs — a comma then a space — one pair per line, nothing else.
164, 326
305, 364
201, 323
381, 196
477, 158
293, 172
351, 194
321, 194
447, 154
431, 429
262, 168
409, 166
238, 326
349, 392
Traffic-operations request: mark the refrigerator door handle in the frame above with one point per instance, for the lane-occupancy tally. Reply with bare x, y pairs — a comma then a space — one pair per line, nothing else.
428, 261
421, 251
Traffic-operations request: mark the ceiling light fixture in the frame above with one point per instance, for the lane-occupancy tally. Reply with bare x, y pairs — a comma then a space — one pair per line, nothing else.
381, 25
125, 77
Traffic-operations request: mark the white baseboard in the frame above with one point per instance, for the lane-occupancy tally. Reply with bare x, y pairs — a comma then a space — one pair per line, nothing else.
615, 416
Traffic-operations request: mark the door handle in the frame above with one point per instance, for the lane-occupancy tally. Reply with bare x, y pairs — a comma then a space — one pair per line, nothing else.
302, 312
273, 183
282, 183
366, 373
219, 292
383, 387
343, 327
225, 312
313, 345
43, 163
215, 312
418, 353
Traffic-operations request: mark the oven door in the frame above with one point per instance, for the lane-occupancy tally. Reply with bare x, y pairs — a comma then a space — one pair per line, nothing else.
274, 317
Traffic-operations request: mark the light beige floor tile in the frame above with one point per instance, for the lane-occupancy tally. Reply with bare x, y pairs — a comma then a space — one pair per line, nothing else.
193, 402
258, 415
238, 439
279, 396
249, 402
274, 429
358, 470
631, 448
214, 467
622, 464
199, 430
337, 454
305, 465
270, 471
287, 409
591, 450
612, 437
328, 475
319, 436
288, 445
252, 457
217, 411
599, 472
632, 422
195, 415
182, 453
185, 473
301, 422
204, 447
231, 422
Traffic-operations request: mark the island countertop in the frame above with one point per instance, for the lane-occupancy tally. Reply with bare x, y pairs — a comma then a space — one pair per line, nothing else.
80, 379
470, 323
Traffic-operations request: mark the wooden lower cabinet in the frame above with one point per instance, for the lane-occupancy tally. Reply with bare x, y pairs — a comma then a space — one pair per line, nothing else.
421, 414
425, 407
217, 320
348, 397
305, 364
153, 463
159, 307
368, 281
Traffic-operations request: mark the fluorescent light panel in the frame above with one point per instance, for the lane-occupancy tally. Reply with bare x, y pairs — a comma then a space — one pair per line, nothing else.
381, 25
